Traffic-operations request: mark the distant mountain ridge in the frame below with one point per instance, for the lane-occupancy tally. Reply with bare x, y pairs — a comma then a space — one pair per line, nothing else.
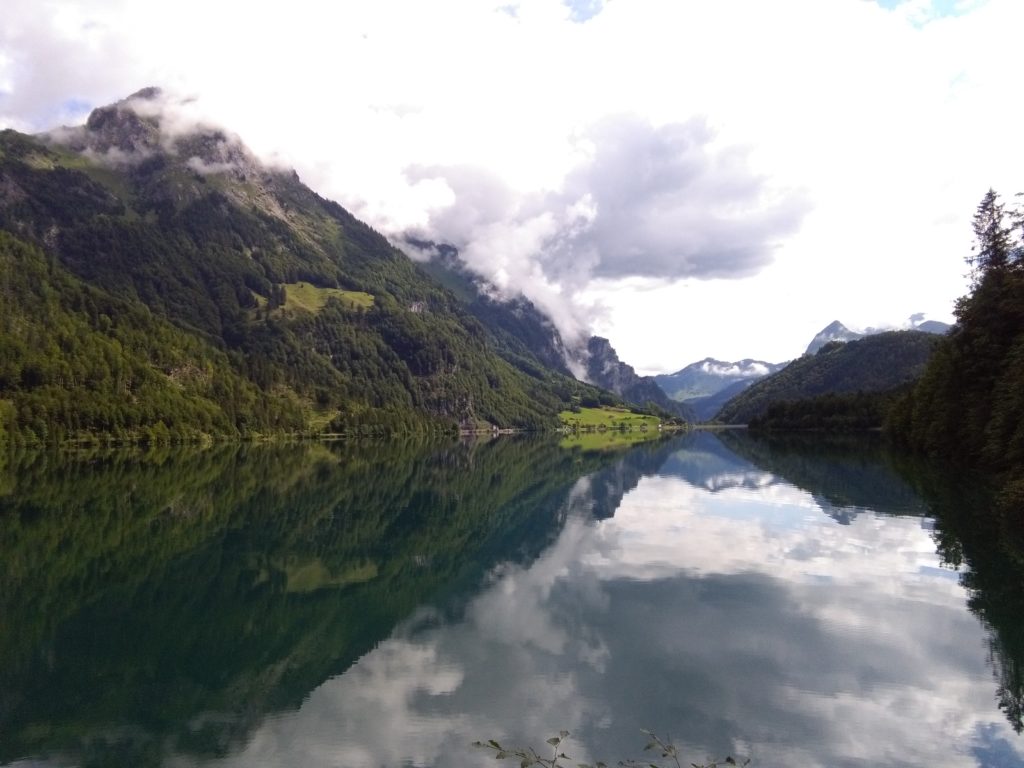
708, 384
836, 331
710, 376
525, 335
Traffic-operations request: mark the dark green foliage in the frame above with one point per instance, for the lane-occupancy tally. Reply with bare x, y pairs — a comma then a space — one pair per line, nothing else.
78, 363
968, 408
831, 412
993, 241
969, 404
878, 363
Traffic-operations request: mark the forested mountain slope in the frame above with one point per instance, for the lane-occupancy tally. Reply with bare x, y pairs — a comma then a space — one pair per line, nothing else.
872, 364
527, 338
300, 316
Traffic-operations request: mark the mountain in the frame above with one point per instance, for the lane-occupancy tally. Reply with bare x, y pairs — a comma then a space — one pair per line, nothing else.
933, 326
160, 282
605, 370
836, 331
527, 338
708, 384
710, 376
872, 364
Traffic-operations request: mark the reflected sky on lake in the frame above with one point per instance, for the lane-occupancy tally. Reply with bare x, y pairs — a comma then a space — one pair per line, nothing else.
720, 605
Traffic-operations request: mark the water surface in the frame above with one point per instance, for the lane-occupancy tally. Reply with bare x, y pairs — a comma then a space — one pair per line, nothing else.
802, 603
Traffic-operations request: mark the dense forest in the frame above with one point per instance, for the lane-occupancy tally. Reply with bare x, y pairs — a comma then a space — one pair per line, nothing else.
170, 287
832, 412
968, 406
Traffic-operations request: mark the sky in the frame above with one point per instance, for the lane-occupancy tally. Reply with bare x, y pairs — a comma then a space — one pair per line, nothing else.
689, 179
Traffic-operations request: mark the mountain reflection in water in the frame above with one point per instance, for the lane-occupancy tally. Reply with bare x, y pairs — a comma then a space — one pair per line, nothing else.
377, 604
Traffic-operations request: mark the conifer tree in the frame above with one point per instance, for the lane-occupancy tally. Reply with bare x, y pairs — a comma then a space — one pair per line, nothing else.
993, 243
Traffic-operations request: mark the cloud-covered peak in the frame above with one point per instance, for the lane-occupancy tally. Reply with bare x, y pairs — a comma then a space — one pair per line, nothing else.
150, 121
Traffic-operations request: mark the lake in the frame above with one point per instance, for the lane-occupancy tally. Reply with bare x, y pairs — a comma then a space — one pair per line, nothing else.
801, 602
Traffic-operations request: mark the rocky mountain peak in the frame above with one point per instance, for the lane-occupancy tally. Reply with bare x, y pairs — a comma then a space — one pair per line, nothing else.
147, 123
834, 331
121, 127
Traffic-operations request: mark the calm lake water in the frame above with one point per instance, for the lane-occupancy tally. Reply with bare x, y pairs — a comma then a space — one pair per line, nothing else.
803, 603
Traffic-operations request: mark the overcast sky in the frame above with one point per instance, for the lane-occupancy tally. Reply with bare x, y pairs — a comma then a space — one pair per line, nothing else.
689, 179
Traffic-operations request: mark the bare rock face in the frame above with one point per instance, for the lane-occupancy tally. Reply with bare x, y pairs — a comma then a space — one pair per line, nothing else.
604, 367
120, 127
606, 370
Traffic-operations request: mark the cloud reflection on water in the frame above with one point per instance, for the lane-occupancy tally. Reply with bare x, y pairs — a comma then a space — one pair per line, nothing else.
734, 615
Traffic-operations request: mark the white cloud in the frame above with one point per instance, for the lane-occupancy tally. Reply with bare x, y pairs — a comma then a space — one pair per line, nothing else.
844, 145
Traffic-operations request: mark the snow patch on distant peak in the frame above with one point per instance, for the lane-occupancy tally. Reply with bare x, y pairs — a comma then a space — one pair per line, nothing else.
744, 369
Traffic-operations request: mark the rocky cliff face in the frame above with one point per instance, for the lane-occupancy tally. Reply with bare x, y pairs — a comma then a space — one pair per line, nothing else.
604, 369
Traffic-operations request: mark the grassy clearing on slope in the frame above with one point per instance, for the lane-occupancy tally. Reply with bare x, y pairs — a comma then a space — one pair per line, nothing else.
608, 418
310, 298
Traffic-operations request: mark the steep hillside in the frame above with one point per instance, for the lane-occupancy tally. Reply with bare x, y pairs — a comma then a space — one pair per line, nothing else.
872, 364
76, 361
522, 334
606, 370
528, 340
299, 303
